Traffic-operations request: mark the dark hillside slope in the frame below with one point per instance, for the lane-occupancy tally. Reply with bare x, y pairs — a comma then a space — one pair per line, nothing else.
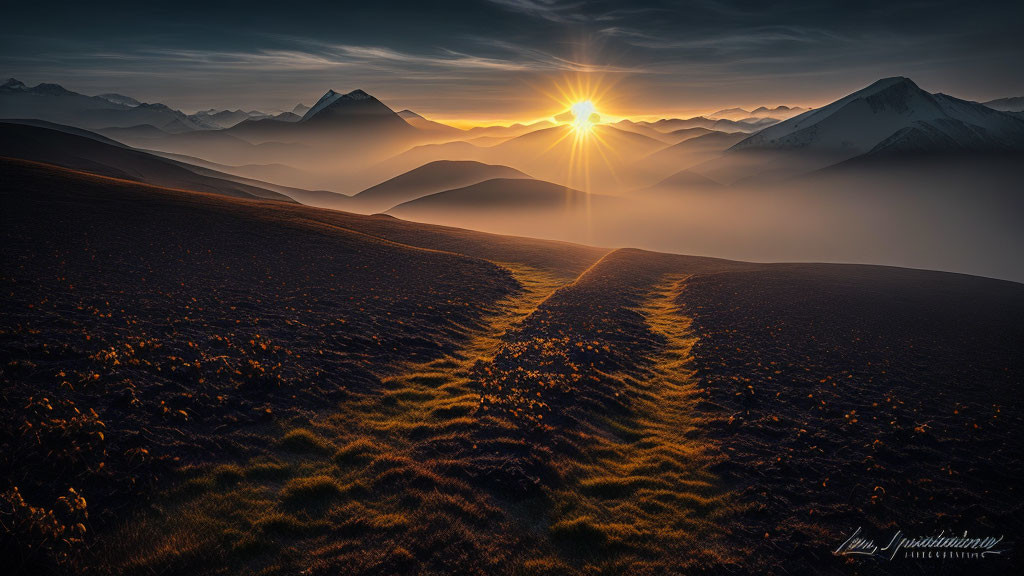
862, 396
92, 154
183, 326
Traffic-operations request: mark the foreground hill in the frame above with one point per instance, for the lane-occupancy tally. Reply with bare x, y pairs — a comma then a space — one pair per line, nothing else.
274, 388
428, 179
98, 155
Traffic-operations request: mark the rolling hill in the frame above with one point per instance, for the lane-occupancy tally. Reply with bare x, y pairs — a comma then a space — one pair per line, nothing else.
504, 194
428, 179
99, 156
436, 128
691, 152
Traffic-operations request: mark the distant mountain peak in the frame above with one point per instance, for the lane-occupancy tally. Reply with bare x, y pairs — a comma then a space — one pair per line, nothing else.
356, 103
409, 114
155, 106
51, 89
897, 82
13, 84
331, 97
891, 115
120, 99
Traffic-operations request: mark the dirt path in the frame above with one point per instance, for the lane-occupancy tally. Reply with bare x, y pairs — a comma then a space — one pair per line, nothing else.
412, 474
431, 399
643, 483
368, 485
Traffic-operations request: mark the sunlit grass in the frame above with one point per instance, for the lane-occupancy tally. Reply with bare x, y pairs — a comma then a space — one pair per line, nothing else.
396, 477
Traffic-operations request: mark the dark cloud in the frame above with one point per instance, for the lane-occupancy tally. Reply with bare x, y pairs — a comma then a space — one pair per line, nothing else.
487, 58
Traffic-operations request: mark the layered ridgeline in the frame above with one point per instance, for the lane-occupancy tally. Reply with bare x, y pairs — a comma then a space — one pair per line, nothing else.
54, 103
352, 115
85, 151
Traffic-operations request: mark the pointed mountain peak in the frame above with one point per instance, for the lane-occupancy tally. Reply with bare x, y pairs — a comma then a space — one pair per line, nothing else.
358, 95
894, 83
407, 114
336, 103
13, 84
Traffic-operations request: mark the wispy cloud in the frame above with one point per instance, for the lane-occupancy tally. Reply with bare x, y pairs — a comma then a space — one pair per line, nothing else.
551, 10
313, 56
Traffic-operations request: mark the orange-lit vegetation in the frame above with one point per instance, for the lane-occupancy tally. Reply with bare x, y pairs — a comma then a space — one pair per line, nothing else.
236, 387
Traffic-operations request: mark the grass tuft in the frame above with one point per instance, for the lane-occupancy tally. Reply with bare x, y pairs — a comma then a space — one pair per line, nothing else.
580, 534
357, 452
304, 441
311, 491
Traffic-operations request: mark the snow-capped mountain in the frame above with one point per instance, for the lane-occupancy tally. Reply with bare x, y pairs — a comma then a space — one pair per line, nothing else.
891, 114
12, 85
120, 99
1014, 104
333, 103
356, 110
330, 98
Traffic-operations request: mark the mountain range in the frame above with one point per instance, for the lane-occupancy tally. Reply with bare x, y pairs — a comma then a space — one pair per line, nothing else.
383, 149
892, 116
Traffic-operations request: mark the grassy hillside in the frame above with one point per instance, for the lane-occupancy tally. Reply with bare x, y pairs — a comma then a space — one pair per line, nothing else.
238, 386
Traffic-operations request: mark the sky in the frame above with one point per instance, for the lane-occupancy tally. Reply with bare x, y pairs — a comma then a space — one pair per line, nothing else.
506, 60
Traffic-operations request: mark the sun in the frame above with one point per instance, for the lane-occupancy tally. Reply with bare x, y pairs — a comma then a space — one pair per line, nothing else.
584, 115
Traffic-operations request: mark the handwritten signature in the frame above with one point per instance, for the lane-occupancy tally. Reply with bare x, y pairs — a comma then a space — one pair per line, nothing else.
941, 545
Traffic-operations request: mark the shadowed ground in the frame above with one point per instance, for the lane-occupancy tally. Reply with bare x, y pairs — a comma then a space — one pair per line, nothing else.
251, 387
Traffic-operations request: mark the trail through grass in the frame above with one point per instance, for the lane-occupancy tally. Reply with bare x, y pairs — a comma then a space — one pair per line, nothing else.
641, 490
368, 485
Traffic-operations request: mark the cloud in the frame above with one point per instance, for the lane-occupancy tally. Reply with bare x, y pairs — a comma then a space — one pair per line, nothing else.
551, 10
